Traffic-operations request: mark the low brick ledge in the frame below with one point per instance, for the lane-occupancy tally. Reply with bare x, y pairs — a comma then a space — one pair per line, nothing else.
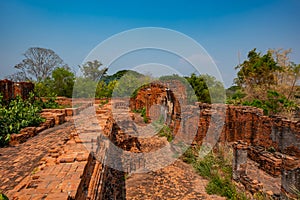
29, 132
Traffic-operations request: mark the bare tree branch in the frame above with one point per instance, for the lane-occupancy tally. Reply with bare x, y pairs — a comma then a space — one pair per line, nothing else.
39, 63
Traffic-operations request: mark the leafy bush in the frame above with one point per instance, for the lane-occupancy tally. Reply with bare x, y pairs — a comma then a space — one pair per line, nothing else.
205, 86
222, 187
60, 83
275, 103
205, 166
16, 115
3, 197
49, 104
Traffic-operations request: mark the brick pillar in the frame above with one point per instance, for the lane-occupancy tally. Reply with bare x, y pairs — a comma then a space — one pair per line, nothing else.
290, 178
239, 163
6, 88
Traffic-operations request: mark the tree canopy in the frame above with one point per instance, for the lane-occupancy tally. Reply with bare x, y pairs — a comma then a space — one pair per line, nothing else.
91, 70
60, 83
257, 71
267, 81
37, 65
213, 94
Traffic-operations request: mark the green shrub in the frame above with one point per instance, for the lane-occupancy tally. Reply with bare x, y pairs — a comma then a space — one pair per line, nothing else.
223, 187
3, 197
49, 104
16, 115
274, 104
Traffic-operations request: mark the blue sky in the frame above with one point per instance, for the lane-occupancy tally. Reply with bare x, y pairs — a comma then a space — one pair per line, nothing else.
73, 28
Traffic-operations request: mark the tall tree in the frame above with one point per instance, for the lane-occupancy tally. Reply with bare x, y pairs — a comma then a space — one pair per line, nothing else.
213, 94
91, 70
38, 64
268, 81
17, 77
129, 83
63, 81
257, 74
288, 77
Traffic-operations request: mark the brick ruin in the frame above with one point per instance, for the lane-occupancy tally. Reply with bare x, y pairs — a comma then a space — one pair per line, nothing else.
273, 143
72, 172
240, 122
11, 90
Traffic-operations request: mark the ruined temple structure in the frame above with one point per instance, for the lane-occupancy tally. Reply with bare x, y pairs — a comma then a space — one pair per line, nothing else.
160, 93
273, 143
11, 90
85, 163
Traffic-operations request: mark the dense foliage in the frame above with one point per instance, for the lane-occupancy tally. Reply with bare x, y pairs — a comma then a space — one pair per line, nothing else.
207, 88
48, 103
129, 83
60, 83
17, 115
118, 75
268, 81
203, 88
102, 85
3, 197
91, 70
275, 103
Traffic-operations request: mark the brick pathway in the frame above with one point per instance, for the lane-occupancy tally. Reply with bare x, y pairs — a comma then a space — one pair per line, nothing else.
69, 170
19, 161
66, 170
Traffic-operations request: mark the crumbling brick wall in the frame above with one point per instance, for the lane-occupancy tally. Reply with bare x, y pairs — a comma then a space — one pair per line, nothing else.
23, 89
6, 88
11, 90
168, 93
250, 125
240, 122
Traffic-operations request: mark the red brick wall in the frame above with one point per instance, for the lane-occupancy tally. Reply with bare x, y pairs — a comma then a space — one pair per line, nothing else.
11, 89
250, 125
241, 122
6, 88
159, 93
